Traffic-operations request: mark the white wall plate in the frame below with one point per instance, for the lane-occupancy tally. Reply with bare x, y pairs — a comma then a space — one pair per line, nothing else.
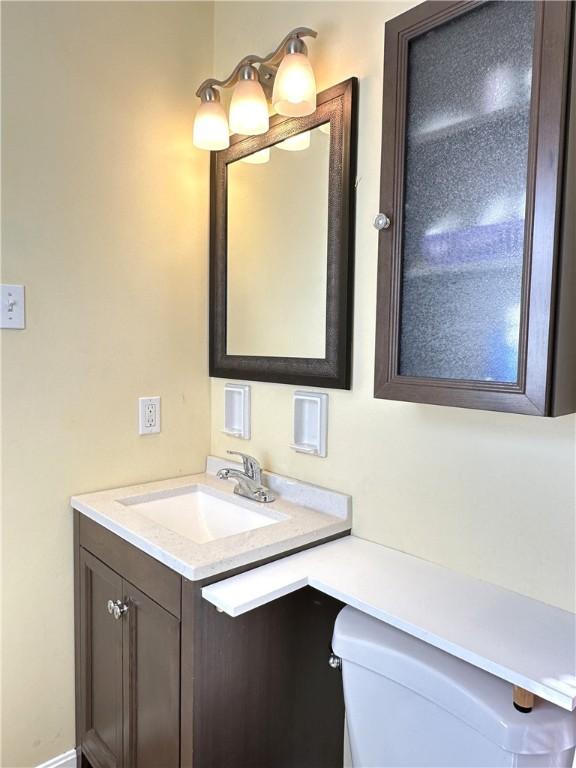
12, 301
237, 410
310, 423
148, 415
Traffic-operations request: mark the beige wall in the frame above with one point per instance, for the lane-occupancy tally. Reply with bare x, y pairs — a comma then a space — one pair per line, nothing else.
488, 494
105, 222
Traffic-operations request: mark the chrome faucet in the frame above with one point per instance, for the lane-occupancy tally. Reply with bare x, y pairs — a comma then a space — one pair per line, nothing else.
248, 482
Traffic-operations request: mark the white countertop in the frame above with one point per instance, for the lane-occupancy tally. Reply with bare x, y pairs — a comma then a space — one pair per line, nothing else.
521, 640
306, 513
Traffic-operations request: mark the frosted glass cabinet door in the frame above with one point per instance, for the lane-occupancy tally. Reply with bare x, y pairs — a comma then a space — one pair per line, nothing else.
474, 123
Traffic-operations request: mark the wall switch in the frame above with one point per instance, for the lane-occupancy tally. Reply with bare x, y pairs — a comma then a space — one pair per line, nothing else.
12, 299
148, 415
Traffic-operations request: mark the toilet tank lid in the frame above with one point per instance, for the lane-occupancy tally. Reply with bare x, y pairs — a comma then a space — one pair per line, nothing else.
478, 698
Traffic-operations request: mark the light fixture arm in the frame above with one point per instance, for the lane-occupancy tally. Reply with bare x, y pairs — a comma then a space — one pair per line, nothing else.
272, 60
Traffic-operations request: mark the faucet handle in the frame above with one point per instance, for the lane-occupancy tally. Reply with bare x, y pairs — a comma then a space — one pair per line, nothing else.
251, 465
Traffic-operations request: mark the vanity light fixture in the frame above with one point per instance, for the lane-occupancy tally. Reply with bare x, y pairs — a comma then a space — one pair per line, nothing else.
248, 114
210, 125
294, 93
285, 77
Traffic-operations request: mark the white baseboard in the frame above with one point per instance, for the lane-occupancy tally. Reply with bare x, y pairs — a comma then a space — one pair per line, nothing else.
67, 760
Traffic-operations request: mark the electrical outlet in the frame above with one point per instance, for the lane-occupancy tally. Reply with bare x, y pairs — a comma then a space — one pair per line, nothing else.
148, 415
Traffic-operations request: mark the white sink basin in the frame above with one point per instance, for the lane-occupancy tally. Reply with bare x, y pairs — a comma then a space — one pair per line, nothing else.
199, 514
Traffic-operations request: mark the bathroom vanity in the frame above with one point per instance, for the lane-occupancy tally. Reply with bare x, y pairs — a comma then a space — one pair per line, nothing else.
162, 678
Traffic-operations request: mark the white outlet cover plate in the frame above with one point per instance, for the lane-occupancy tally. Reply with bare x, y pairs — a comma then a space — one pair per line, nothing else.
13, 314
148, 415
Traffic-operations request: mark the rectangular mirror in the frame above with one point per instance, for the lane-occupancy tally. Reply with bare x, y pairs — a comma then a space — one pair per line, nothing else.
289, 317
281, 248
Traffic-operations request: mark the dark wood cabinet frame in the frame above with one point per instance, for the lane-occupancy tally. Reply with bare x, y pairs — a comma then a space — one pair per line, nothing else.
337, 105
547, 366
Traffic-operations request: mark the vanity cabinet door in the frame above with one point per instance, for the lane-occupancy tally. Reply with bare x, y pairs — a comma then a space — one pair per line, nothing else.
151, 683
101, 664
128, 704
472, 268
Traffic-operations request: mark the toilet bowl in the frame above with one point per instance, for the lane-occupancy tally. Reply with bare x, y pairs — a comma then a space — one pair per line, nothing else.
410, 704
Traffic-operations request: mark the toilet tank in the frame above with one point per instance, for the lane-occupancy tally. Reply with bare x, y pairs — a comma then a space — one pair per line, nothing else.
410, 704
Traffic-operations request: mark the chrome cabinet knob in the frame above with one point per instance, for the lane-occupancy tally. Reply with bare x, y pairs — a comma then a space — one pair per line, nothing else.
381, 221
116, 608
119, 610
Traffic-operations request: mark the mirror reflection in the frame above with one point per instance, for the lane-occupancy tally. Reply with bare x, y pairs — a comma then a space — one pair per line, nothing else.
277, 235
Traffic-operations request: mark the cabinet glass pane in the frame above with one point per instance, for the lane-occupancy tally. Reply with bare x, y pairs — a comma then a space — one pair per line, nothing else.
469, 84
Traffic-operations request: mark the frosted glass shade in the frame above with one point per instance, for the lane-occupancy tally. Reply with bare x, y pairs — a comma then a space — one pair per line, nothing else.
294, 93
248, 109
211, 127
257, 158
296, 143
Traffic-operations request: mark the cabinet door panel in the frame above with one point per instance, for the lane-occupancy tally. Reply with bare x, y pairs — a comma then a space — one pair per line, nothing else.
151, 683
101, 664
474, 119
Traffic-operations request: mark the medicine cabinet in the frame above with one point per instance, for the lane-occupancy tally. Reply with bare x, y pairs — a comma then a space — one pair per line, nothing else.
476, 276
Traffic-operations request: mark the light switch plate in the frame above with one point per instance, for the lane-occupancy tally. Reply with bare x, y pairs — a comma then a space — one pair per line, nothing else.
13, 315
148, 415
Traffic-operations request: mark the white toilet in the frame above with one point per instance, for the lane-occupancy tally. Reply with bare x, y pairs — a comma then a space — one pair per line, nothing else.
410, 704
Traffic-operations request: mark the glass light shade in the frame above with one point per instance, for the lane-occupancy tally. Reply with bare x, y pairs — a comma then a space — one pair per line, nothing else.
294, 93
296, 143
211, 127
257, 158
248, 109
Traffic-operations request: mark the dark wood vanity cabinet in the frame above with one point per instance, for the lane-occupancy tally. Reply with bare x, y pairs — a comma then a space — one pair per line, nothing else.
171, 682
477, 270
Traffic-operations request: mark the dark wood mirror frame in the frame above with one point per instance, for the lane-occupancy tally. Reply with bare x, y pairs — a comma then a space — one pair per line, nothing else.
338, 106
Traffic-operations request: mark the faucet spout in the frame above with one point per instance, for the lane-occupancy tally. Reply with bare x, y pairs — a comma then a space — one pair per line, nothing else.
224, 474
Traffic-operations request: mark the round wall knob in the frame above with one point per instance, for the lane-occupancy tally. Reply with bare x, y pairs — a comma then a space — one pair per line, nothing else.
381, 221
110, 606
